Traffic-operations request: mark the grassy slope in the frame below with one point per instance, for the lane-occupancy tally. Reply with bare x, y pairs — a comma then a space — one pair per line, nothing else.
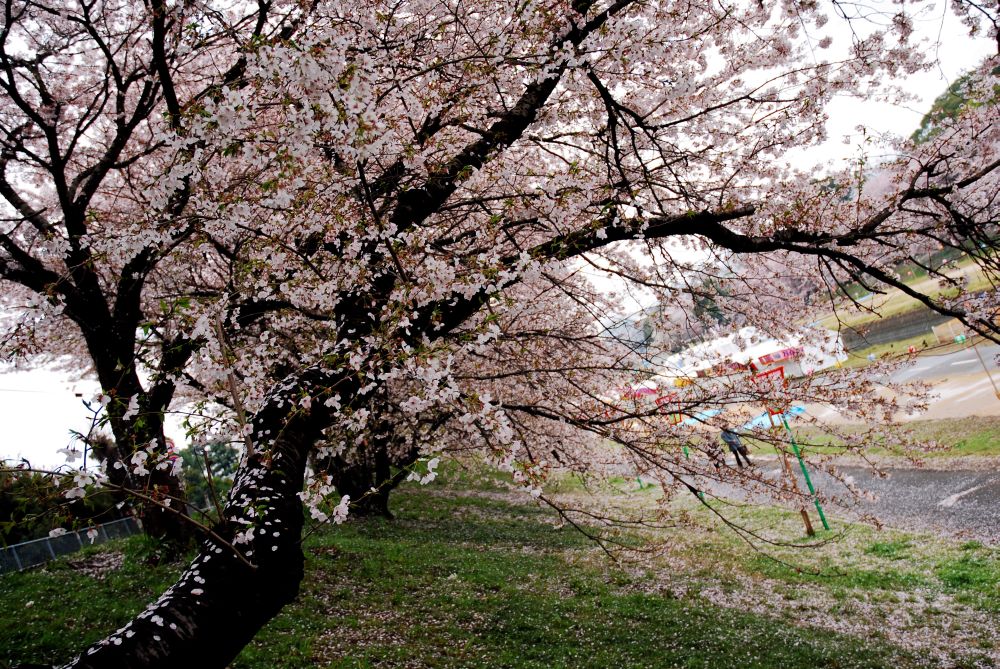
853, 561
894, 302
955, 437
497, 593
47, 613
462, 581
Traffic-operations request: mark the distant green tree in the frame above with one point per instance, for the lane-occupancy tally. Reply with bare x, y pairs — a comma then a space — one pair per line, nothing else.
32, 504
948, 105
705, 303
221, 461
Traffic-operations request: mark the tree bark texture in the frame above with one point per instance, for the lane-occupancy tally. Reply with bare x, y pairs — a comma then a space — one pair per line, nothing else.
220, 602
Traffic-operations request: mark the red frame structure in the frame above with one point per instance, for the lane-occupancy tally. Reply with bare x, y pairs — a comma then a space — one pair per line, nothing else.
675, 418
770, 377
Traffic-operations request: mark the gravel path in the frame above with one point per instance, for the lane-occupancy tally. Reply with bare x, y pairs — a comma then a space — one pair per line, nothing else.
963, 503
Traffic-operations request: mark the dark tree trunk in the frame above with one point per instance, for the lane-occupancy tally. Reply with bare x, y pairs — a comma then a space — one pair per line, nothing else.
368, 475
220, 602
157, 499
358, 480
114, 359
252, 568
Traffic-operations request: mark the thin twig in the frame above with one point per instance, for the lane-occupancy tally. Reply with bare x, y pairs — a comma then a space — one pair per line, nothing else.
241, 416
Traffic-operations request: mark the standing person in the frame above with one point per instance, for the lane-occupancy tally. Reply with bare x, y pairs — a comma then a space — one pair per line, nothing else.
736, 446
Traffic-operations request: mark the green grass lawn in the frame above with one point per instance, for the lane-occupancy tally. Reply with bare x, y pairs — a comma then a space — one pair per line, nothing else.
470, 575
955, 437
857, 562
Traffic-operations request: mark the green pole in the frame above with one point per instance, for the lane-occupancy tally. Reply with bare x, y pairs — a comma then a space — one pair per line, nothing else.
687, 455
805, 472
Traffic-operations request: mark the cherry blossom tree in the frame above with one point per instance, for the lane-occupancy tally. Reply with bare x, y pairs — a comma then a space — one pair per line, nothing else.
94, 98
357, 233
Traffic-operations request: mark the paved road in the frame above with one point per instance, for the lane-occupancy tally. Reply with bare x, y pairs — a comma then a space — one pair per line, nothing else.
960, 386
959, 503
965, 361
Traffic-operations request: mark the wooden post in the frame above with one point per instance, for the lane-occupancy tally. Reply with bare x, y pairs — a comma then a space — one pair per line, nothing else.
795, 487
805, 473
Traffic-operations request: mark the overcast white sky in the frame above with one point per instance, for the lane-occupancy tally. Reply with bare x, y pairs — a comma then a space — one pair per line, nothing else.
39, 408
961, 53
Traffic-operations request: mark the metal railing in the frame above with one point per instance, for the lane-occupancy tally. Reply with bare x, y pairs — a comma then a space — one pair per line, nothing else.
27, 554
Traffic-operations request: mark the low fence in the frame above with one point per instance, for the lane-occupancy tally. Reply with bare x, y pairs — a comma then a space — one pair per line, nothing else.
947, 331
17, 557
